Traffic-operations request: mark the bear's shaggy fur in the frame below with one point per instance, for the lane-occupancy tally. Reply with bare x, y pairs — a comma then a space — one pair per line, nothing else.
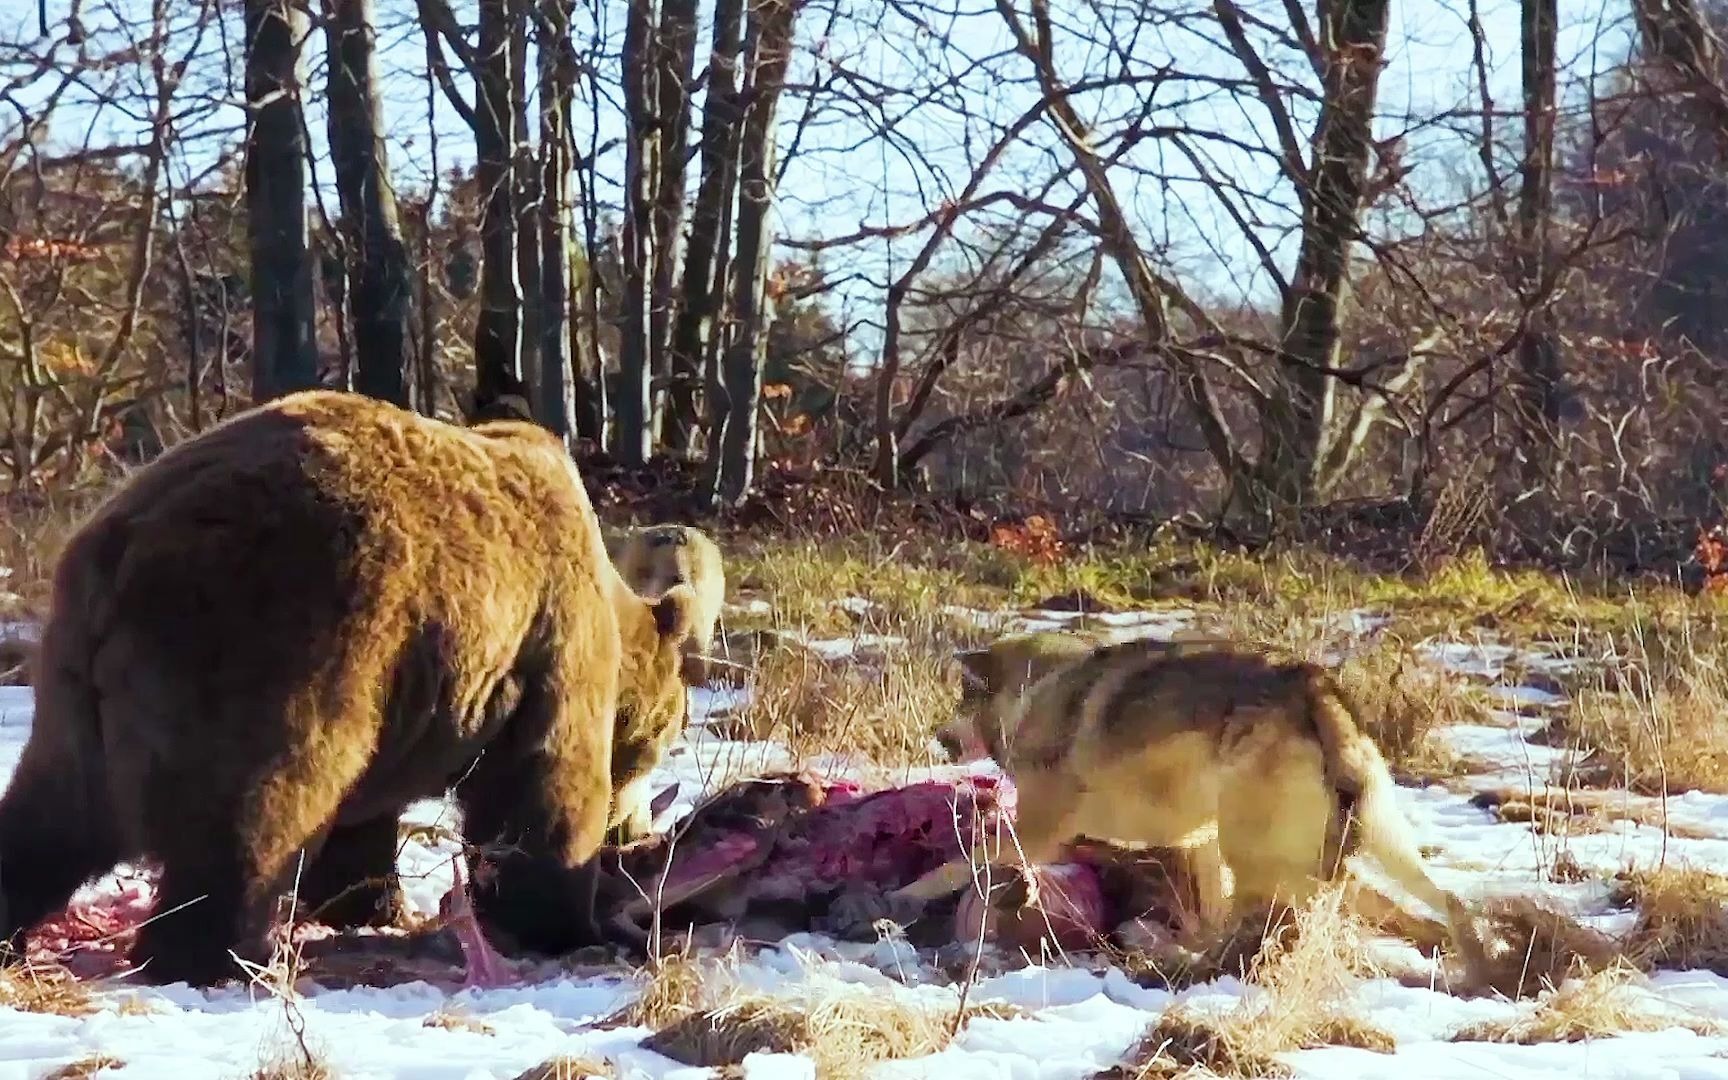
279, 633
654, 560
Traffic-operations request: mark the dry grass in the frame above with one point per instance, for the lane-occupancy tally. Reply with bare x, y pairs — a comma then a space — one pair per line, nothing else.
136, 1005
1597, 1007
1682, 918
1661, 739
1533, 947
1403, 700
675, 986
1572, 811
1184, 1042
801, 579
702, 1016
910, 577
842, 1028
293, 1054
44, 988
1649, 714
293, 1068
30, 541
885, 711
1682, 922
568, 1068
84, 1067
1305, 980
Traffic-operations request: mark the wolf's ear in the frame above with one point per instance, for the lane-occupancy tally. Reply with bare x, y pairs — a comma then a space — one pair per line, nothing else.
974, 669
675, 613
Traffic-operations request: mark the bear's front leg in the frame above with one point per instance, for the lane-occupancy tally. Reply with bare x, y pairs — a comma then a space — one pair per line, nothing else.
532, 902
536, 802
353, 880
51, 840
633, 814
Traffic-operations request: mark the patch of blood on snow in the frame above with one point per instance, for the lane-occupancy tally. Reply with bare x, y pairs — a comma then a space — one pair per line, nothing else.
92, 934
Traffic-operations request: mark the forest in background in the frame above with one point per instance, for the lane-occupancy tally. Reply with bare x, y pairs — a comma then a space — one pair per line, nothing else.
1264, 268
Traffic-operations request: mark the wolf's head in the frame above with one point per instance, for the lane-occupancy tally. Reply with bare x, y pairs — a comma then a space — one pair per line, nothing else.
993, 679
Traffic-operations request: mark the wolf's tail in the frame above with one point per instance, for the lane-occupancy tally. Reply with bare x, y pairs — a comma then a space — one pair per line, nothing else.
1369, 820
1354, 768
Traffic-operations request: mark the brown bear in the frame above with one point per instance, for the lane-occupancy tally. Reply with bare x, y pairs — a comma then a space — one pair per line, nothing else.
654, 560
271, 639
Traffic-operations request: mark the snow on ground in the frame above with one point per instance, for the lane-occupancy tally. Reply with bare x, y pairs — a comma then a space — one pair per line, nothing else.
1079, 1021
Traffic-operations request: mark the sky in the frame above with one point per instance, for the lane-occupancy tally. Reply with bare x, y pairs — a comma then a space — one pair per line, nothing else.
844, 178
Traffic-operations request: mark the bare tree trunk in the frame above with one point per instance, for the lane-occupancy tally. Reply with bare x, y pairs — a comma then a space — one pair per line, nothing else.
426, 366
1538, 351
771, 26
722, 329
719, 150
1305, 447
556, 97
592, 406
498, 329
525, 188
674, 56
1297, 417
284, 355
379, 294
633, 435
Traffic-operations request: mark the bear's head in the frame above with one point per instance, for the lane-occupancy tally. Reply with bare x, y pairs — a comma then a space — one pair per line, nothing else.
659, 662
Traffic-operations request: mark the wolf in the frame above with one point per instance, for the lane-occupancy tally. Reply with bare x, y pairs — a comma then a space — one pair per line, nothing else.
1252, 765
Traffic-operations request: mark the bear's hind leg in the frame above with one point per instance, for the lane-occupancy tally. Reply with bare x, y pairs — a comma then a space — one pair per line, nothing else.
227, 857
540, 796
207, 902
353, 880
53, 838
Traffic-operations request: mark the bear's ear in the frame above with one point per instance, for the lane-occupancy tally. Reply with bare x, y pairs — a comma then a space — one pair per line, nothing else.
974, 669
675, 613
